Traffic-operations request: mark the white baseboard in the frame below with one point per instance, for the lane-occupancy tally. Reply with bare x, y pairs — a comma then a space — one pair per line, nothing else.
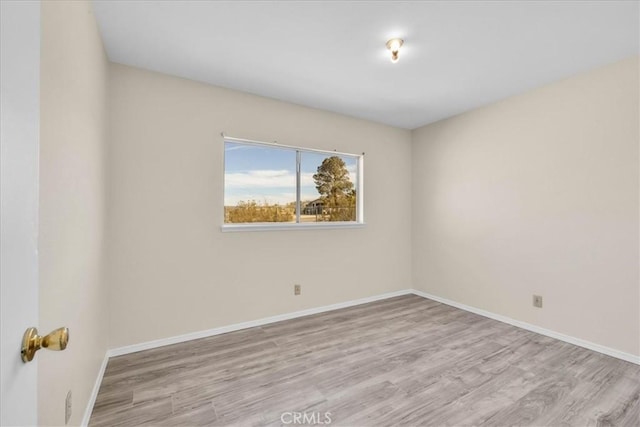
94, 393
251, 324
287, 316
533, 328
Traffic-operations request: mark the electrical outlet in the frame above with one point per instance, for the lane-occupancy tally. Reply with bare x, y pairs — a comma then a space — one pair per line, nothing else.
67, 408
537, 301
296, 289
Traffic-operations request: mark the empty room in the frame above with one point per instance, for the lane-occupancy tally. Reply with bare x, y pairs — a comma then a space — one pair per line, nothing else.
349, 213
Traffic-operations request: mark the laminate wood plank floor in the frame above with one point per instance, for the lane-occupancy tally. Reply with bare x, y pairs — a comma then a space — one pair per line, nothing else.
405, 361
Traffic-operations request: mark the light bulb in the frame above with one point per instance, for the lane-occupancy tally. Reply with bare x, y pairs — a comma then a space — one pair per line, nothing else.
394, 46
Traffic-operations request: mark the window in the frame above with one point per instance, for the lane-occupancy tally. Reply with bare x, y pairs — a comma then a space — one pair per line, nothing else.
274, 186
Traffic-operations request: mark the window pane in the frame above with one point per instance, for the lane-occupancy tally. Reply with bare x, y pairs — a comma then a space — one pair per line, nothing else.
259, 184
328, 187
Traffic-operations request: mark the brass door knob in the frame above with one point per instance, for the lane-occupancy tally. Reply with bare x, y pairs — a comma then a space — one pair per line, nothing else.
32, 342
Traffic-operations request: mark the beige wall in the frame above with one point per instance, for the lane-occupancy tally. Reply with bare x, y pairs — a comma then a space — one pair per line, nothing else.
172, 271
72, 205
537, 194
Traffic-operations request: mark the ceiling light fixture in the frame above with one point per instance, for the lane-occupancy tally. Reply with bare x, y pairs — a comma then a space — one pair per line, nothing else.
394, 46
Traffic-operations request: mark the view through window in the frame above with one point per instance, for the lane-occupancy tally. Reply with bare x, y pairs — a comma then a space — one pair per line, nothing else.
268, 183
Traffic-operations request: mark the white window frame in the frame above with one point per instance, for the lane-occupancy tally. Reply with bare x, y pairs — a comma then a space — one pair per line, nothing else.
273, 226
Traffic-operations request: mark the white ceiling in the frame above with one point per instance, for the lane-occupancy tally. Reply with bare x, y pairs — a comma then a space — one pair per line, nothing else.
458, 55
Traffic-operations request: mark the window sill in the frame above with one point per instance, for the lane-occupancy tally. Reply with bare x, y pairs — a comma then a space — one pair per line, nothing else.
289, 226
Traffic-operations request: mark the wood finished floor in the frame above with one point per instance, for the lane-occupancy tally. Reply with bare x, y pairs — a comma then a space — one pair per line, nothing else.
405, 361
